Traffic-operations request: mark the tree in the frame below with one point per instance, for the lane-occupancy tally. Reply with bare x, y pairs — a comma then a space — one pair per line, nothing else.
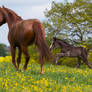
71, 21
2, 50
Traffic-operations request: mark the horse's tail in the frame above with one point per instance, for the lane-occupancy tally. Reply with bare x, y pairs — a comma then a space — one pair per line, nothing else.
40, 40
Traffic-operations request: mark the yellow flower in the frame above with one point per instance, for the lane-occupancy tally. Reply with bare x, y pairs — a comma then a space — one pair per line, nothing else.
66, 78
36, 88
46, 82
1, 79
16, 84
41, 90
1, 59
64, 89
84, 46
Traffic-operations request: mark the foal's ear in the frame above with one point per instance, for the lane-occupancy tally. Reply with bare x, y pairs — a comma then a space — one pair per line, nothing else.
54, 38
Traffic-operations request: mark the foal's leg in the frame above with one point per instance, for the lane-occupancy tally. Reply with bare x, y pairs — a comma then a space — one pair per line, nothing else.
24, 49
19, 57
79, 62
84, 58
57, 58
86, 61
13, 52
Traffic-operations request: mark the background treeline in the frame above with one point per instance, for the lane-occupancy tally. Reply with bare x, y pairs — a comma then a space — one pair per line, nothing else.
4, 50
71, 22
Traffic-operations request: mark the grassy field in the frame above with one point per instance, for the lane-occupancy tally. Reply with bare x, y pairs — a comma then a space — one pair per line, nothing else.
55, 79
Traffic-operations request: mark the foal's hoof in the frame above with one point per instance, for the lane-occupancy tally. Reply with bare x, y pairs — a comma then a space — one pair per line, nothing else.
90, 67
77, 66
56, 63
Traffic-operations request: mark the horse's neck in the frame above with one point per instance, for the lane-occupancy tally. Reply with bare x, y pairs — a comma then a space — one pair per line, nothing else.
11, 18
62, 44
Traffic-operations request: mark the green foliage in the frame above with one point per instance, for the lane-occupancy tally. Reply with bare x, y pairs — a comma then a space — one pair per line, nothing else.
2, 50
70, 21
88, 43
90, 56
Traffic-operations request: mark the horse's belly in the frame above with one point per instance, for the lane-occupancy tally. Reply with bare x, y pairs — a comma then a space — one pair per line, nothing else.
28, 37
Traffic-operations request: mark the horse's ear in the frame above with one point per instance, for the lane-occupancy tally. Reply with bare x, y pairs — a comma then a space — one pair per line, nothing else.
54, 38
3, 6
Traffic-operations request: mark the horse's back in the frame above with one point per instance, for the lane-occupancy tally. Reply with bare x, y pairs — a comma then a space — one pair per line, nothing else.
23, 31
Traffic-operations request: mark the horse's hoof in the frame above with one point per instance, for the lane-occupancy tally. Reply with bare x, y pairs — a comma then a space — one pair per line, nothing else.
24, 68
17, 68
41, 72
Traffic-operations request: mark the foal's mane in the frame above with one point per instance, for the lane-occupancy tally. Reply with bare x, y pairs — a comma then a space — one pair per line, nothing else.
12, 14
67, 44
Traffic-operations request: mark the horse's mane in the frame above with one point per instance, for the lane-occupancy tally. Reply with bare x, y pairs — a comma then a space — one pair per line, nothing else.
12, 14
67, 44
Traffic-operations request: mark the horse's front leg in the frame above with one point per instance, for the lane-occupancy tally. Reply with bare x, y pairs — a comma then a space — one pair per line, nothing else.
24, 49
19, 57
13, 52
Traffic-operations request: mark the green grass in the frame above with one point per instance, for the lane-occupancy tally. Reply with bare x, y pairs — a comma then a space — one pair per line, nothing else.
55, 78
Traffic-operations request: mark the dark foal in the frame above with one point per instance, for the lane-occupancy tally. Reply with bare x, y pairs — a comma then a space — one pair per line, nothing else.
70, 51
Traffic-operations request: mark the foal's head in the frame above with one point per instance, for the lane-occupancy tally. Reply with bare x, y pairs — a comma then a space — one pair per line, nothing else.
2, 17
54, 43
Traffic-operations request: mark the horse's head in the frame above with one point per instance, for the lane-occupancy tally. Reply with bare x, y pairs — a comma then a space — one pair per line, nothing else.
54, 43
2, 17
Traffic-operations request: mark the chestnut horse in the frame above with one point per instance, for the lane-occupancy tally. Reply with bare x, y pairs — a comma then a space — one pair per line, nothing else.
23, 33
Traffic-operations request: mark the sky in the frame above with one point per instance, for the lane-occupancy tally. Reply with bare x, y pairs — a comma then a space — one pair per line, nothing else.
27, 9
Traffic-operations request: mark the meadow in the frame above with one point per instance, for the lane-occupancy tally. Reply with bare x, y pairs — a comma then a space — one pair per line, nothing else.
59, 78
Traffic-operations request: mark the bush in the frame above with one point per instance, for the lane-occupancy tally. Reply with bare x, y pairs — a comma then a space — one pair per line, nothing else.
2, 50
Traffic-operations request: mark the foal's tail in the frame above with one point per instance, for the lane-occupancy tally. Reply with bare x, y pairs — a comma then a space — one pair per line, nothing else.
89, 49
85, 52
40, 40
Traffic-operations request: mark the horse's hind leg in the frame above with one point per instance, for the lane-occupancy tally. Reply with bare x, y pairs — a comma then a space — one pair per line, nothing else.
19, 57
13, 52
79, 62
41, 62
24, 49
